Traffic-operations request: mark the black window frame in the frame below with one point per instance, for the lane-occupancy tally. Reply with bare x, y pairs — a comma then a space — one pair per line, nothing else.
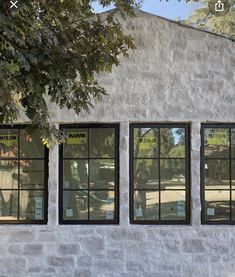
204, 126
187, 190
44, 221
88, 126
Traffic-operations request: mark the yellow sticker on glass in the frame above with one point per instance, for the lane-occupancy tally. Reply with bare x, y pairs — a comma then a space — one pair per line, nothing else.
8, 140
77, 138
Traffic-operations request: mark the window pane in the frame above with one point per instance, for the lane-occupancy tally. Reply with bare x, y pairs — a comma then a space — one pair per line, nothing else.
146, 175
173, 205
217, 205
172, 174
8, 175
216, 141
146, 142
31, 174
31, 146
216, 174
75, 205
146, 205
172, 142
76, 145
8, 143
102, 174
233, 173
233, 205
101, 205
233, 142
8, 205
102, 142
31, 205
75, 174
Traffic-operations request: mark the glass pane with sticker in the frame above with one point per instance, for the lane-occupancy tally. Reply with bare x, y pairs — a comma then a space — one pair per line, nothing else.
216, 142
146, 205
173, 205
146, 143
9, 143
76, 144
75, 205
217, 205
31, 205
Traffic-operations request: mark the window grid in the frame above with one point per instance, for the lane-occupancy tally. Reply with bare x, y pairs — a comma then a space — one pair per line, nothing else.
18, 159
230, 159
160, 126
89, 127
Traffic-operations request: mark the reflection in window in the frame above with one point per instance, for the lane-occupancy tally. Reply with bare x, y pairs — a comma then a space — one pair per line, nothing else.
218, 163
89, 184
159, 173
23, 184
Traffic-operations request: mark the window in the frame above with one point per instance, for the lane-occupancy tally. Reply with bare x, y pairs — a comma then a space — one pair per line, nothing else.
23, 177
218, 173
89, 174
159, 173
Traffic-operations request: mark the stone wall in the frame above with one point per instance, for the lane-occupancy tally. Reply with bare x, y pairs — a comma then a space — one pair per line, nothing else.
177, 74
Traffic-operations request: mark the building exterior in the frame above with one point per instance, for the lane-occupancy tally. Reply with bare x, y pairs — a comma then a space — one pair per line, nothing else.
179, 81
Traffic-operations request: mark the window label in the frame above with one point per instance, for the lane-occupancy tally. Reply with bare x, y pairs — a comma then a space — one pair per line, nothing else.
217, 138
210, 211
180, 207
77, 138
38, 207
147, 142
8, 140
109, 215
138, 212
69, 212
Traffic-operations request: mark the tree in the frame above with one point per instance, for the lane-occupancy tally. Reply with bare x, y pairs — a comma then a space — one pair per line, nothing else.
206, 18
52, 50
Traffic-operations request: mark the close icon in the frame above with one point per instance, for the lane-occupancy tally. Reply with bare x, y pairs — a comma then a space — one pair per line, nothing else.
13, 4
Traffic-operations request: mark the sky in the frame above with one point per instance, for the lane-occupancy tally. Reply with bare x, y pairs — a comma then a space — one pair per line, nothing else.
171, 9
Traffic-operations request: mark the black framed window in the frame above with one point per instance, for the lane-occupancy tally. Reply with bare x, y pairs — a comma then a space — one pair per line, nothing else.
218, 173
159, 174
23, 177
89, 181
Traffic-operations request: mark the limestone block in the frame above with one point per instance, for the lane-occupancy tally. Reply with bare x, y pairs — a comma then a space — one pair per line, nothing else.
193, 246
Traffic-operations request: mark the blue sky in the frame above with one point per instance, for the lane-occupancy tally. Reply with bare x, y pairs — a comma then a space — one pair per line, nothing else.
171, 9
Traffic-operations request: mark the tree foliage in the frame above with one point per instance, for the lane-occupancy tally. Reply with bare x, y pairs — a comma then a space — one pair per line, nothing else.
204, 18
52, 50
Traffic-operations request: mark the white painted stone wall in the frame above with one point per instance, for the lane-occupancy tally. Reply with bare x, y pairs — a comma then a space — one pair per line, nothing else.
177, 74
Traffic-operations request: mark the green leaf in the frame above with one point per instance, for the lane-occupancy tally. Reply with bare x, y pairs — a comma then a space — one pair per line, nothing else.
12, 67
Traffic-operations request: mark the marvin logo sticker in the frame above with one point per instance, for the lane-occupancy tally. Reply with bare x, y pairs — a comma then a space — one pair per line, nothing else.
8, 140
77, 138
